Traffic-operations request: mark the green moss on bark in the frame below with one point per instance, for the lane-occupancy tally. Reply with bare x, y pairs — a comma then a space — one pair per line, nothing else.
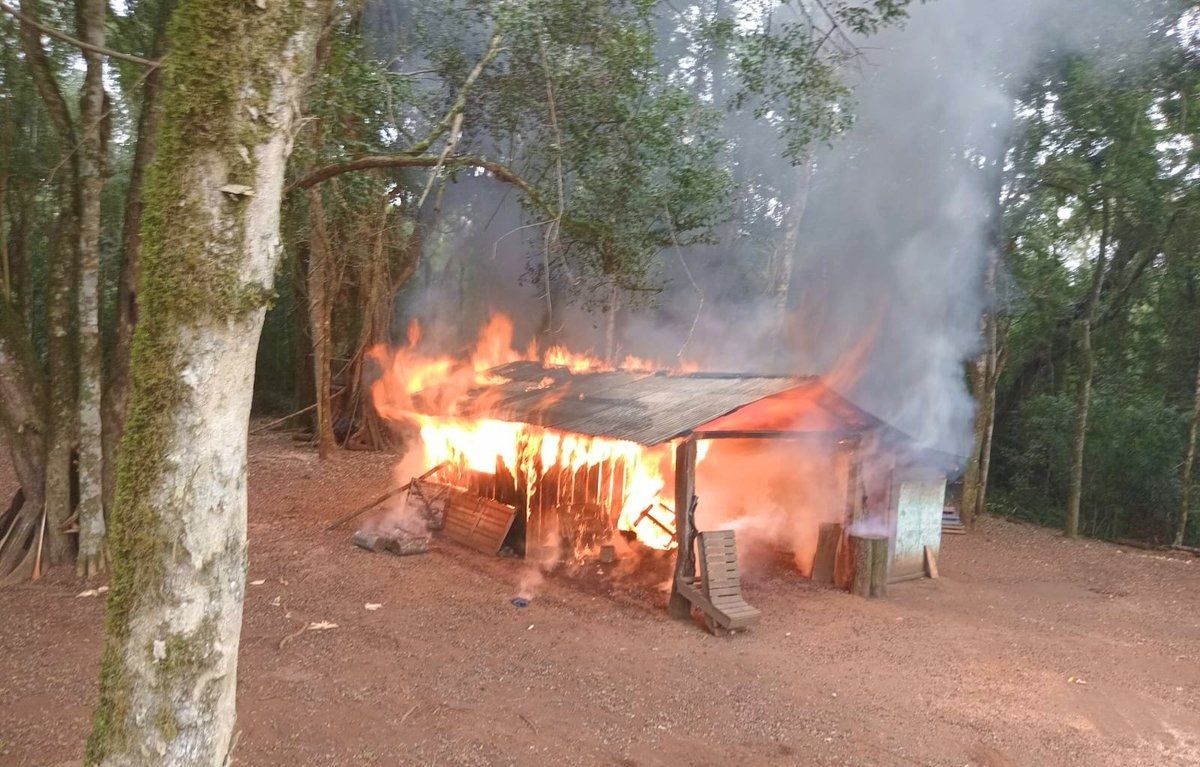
224, 58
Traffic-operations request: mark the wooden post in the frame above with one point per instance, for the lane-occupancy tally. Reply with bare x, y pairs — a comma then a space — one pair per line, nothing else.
828, 538
854, 487
870, 565
931, 568
685, 488
843, 570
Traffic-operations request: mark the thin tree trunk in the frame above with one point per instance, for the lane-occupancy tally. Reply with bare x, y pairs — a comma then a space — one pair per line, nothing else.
1083, 399
1189, 460
209, 253
17, 245
984, 374
63, 390
976, 370
319, 321
375, 282
305, 390
610, 327
989, 409
91, 553
785, 253
61, 352
6, 270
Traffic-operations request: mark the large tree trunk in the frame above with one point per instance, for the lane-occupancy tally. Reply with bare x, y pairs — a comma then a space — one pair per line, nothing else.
1189, 461
209, 252
91, 552
1087, 370
319, 320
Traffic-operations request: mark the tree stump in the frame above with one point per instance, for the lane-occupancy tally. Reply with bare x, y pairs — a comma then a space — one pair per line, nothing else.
870, 565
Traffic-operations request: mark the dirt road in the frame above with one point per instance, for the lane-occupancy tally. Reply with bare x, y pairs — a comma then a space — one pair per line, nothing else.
1030, 650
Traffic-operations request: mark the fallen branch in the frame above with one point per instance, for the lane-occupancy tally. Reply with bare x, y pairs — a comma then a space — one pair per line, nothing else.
292, 636
393, 492
526, 721
277, 421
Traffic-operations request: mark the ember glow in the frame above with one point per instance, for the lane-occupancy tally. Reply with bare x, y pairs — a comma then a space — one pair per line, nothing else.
630, 478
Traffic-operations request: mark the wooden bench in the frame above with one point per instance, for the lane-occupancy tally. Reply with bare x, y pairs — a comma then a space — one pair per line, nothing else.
717, 590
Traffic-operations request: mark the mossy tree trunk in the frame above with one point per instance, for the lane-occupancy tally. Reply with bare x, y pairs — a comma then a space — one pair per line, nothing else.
91, 552
210, 247
115, 392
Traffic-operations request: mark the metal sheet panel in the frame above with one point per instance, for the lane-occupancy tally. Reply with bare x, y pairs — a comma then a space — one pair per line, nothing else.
646, 407
918, 524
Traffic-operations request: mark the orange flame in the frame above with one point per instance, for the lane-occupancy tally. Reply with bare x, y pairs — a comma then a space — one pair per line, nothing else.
522, 450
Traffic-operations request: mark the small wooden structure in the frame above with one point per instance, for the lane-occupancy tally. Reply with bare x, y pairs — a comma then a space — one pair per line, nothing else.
656, 408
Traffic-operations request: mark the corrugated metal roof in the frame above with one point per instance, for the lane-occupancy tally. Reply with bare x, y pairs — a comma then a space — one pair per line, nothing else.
648, 408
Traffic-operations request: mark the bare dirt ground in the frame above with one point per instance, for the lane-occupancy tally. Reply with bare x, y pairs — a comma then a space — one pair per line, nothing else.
1030, 650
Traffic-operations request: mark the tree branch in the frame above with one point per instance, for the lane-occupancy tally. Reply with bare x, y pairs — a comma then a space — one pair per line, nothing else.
26, 18
460, 102
43, 77
371, 162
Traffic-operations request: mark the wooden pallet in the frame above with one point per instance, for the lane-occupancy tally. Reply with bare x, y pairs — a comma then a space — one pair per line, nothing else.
717, 591
477, 522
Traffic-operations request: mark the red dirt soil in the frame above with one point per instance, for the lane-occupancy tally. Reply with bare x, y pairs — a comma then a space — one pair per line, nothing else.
1030, 650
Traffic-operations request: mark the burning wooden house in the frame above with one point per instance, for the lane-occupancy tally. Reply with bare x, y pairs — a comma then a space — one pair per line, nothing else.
569, 460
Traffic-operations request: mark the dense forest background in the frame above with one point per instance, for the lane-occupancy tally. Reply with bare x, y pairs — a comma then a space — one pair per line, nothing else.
735, 184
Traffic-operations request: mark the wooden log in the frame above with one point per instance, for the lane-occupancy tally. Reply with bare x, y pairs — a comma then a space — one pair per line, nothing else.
1131, 543
685, 563
370, 541
406, 546
828, 538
